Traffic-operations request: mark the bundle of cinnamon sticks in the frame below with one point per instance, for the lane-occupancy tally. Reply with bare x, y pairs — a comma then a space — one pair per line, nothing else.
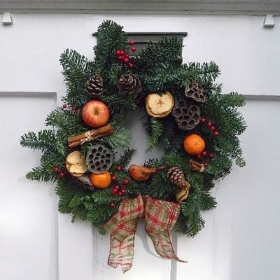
74, 141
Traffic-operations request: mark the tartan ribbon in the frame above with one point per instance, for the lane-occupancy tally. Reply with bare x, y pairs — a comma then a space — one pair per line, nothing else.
160, 217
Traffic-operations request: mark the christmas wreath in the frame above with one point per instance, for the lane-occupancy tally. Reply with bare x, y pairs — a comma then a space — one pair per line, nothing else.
86, 148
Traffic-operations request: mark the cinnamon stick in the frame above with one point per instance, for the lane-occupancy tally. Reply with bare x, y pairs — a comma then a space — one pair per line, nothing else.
74, 141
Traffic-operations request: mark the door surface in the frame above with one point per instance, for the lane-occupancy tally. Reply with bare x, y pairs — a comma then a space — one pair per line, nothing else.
239, 241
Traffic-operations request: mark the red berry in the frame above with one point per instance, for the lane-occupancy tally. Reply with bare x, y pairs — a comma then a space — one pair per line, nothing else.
133, 49
119, 168
61, 174
205, 164
120, 193
123, 191
203, 120
130, 65
112, 204
116, 187
55, 169
216, 133
211, 155
213, 128
125, 181
114, 192
131, 42
118, 52
114, 178
74, 108
126, 60
121, 52
120, 57
198, 156
64, 106
204, 153
209, 124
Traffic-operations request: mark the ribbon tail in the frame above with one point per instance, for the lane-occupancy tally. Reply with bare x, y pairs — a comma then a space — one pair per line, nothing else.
160, 219
121, 253
122, 227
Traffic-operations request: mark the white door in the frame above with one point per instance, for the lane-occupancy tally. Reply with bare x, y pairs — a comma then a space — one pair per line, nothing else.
239, 241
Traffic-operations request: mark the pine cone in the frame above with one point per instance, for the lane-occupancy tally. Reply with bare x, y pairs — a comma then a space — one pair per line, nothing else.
176, 176
94, 86
186, 114
129, 84
99, 159
195, 92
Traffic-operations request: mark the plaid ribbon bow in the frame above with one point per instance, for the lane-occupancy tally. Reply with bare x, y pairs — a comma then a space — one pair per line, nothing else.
160, 217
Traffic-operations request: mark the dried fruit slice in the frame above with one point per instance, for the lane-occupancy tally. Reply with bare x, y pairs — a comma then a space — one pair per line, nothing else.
76, 164
159, 105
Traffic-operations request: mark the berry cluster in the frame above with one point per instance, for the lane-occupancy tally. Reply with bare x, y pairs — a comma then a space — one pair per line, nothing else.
210, 155
60, 173
124, 56
118, 189
73, 107
210, 125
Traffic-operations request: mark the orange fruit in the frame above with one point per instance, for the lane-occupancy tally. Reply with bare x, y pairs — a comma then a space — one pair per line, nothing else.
101, 180
194, 144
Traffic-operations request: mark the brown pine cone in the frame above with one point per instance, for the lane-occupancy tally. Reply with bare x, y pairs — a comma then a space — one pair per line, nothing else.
129, 84
94, 86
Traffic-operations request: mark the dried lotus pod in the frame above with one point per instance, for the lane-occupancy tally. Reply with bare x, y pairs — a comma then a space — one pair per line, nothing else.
186, 114
76, 164
94, 86
129, 84
99, 159
195, 91
159, 105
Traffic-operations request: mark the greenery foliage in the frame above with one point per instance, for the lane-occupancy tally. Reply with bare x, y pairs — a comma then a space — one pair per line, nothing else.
159, 67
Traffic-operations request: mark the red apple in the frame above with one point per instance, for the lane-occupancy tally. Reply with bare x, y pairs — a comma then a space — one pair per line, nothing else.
95, 113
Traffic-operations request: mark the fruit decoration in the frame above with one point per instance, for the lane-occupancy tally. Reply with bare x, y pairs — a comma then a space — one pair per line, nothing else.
159, 105
94, 86
101, 180
194, 144
186, 116
76, 164
95, 113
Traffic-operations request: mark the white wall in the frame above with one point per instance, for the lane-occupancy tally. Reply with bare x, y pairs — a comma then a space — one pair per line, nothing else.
249, 58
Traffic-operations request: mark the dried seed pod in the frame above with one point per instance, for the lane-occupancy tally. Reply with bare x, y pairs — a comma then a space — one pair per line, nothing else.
99, 159
187, 114
94, 86
195, 91
129, 84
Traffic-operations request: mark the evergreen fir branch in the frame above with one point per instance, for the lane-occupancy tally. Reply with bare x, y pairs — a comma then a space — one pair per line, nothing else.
120, 138
191, 211
43, 141
207, 201
39, 174
125, 157
157, 130
110, 37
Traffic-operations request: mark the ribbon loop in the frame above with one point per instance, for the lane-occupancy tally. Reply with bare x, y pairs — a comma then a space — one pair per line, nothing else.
160, 217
